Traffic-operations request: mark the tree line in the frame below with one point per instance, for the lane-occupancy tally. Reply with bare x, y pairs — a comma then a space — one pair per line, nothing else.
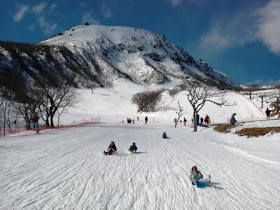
46, 99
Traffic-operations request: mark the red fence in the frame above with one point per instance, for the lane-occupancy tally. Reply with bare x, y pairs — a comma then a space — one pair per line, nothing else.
19, 129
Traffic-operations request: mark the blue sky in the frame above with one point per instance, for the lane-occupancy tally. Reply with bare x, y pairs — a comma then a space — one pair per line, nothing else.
238, 37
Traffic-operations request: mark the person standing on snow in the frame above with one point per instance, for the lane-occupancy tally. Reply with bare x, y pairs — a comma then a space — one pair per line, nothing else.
267, 114
206, 120
185, 121
36, 123
201, 120
146, 119
232, 119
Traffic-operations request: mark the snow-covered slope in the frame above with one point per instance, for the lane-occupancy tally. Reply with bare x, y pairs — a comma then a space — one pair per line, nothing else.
67, 170
96, 55
115, 102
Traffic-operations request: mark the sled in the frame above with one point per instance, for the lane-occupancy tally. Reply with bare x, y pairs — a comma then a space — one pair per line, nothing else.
131, 152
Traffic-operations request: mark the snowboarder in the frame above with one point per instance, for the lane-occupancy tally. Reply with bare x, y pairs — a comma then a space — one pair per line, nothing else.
267, 114
164, 135
111, 149
185, 121
195, 175
146, 119
132, 149
232, 120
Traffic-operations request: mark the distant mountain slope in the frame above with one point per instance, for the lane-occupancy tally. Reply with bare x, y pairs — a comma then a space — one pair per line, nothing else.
96, 55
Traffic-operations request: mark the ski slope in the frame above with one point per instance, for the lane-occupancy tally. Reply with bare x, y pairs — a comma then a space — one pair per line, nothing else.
115, 104
67, 170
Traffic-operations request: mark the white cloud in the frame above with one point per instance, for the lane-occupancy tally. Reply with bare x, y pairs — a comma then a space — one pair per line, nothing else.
235, 30
88, 18
269, 26
47, 27
38, 9
22, 9
215, 39
106, 10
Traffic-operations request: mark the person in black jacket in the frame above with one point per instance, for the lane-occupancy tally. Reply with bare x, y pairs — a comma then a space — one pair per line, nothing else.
132, 148
111, 149
146, 119
267, 113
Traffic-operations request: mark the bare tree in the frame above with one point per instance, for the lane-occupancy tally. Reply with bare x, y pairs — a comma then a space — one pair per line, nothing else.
276, 97
253, 87
199, 93
179, 113
6, 102
54, 98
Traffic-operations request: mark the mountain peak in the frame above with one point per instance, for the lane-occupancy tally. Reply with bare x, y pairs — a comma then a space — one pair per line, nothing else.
96, 55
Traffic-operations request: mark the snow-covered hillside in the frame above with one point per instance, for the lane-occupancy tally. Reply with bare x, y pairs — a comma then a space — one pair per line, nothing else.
143, 56
115, 104
67, 169
96, 56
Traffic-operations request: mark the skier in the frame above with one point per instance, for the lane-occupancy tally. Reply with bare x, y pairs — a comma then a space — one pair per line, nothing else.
195, 175
164, 136
267, 114
232, 119
146, 119
132, 149
185, 121
111, 149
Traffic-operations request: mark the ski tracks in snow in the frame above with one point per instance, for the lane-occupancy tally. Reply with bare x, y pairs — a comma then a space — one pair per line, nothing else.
67, 170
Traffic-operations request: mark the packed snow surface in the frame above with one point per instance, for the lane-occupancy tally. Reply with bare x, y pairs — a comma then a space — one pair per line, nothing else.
67, 169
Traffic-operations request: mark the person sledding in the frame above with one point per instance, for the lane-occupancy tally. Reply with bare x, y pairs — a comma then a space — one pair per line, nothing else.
132, 149
195, 175
111, 149
164, 135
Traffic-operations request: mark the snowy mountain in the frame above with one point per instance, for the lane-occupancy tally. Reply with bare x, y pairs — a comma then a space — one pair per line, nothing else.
96, 56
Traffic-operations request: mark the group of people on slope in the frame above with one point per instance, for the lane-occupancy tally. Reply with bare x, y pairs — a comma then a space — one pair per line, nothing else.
112, 148
195, 175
